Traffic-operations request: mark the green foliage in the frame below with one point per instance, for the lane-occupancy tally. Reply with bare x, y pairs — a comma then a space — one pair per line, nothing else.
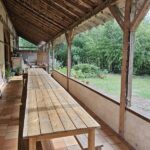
18, 71
87, 71
61, 53
102, 47
8, 73
142, 53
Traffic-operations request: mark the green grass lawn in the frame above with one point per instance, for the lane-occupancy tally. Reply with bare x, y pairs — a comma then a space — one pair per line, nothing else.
111, 84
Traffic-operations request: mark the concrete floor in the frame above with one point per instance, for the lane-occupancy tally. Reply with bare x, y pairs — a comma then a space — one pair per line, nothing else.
9, 126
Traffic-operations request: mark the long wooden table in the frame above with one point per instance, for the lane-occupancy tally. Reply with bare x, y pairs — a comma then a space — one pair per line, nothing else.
51, 112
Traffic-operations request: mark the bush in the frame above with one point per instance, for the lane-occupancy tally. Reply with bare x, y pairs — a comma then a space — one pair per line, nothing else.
85, 71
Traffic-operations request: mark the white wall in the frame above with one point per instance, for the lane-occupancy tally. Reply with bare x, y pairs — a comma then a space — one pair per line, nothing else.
137, 130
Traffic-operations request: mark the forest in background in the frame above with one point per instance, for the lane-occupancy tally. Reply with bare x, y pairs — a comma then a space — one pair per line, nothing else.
102, 47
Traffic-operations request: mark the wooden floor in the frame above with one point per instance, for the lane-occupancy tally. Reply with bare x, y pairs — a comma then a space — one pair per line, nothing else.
9, 125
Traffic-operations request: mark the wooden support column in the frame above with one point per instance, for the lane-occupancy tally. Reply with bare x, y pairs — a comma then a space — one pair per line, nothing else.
128, 24
53, 55
69, 37
48, 51
125, 65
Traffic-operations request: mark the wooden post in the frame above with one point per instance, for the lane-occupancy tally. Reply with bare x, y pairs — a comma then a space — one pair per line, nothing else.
91, 139
130, 67
131, 22
69, 37
48, 51
32, 144
53, 55
125, 66
128, 25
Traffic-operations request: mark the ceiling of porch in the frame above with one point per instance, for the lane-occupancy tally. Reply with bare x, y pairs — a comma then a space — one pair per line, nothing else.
46, 20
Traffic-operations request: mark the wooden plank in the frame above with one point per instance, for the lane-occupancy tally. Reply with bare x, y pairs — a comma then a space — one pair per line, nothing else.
45, 125
53, 116
71, 113
78, 109
85, 117
33, 118
61, 134
65, 119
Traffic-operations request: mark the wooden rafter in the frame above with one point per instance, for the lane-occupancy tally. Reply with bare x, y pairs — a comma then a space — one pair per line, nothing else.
117, 15
45, 9
71, 7
61, 9
100, 7
53, 16
81, 5
17, 18
140, 15
34, 11
26, 15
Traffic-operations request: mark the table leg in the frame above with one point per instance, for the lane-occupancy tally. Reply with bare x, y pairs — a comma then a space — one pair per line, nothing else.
91, 139
32, 144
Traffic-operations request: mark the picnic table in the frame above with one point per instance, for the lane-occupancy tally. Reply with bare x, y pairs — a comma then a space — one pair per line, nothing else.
51, 112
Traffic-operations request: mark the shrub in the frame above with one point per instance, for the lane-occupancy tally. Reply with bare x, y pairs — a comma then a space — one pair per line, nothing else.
85, 71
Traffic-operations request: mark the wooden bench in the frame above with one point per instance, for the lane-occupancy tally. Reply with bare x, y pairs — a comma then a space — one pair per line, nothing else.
83, 142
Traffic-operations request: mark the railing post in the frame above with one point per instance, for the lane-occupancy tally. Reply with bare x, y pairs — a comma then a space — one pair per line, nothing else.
69, 38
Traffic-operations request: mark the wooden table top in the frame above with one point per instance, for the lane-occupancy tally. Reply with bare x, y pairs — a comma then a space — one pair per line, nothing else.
50, 108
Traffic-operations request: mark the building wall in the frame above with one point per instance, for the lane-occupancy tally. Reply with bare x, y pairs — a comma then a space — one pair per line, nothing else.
5, 18
137, 129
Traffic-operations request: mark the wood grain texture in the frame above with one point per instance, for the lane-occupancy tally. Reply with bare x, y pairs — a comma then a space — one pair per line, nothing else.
50, 109
45, 20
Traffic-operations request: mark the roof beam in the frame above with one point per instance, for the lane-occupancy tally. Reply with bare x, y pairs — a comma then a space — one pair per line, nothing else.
51, 21
22, 19
99, 8
70, 6
55, 15
61, 9
140, 15
33, 17
117, 15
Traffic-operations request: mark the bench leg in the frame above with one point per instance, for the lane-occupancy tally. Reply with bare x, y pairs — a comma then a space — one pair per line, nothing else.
91, 139
32, 144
